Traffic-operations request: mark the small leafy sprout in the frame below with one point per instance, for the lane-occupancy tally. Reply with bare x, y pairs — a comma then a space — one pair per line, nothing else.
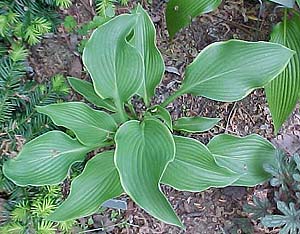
70, 23
289, 221
43, 207
20, 213
141, 152
63, 3
260, 208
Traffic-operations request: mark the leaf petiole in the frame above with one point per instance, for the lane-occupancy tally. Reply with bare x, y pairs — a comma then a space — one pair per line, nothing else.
172, 97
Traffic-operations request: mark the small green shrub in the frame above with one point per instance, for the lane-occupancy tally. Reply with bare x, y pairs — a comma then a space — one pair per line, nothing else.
106, 8
282, 210
29, 208
70, 23
28, 21
144, 152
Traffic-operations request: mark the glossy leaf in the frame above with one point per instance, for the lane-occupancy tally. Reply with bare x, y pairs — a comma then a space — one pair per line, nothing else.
162, 114
195, 124
194, 168
243, 155
116, 67
144, 40
286, 3
143, 151
283, 92
229, 71
86, 89
45, 160
91, 127
180, 13
98, 183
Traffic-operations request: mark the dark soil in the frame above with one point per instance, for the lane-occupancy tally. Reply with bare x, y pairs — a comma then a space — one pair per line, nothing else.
215, 210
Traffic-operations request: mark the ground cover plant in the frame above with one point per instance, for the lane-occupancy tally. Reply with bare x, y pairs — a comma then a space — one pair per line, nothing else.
27, 21
22, 24
281, 208
143, 151
27, 208
282, 93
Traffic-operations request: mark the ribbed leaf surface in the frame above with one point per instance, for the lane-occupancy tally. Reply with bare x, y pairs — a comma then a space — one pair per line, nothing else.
86, 89
91, 127
243, 155
195, 124
194, 168
45, 160
283, 92
179, 13
144, 40
143, 151
116, 67
286, 3
229, 71
98, 183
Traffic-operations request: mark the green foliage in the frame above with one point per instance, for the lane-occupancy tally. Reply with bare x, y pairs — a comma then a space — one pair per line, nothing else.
106, 8
87, 28
195, 124
63, 3
30, 208
70, 23
28, 20
123, 61
283, 92
180, 13
23, 22
18, 115
286, 196
10, 76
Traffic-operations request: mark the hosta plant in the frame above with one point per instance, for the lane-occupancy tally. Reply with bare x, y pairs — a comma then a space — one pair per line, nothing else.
143, 150
283, 92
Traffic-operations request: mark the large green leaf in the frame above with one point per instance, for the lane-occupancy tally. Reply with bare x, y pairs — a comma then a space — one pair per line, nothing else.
143, 151
98, 183
86, 89
283, 92
116, 67
91, 127
194, 168
244, 155
195, 124
229, 71
45, 160
179, 13
144, 40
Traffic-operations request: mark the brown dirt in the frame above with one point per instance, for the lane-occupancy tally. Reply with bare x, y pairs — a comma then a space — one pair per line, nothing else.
215, 210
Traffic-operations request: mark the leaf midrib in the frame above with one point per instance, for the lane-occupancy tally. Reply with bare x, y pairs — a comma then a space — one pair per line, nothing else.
79, 150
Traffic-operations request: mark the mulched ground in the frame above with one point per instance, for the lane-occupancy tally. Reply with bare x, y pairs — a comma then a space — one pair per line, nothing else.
215, 210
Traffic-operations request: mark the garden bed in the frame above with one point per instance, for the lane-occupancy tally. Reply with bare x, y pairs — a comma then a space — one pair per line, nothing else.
215, 210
